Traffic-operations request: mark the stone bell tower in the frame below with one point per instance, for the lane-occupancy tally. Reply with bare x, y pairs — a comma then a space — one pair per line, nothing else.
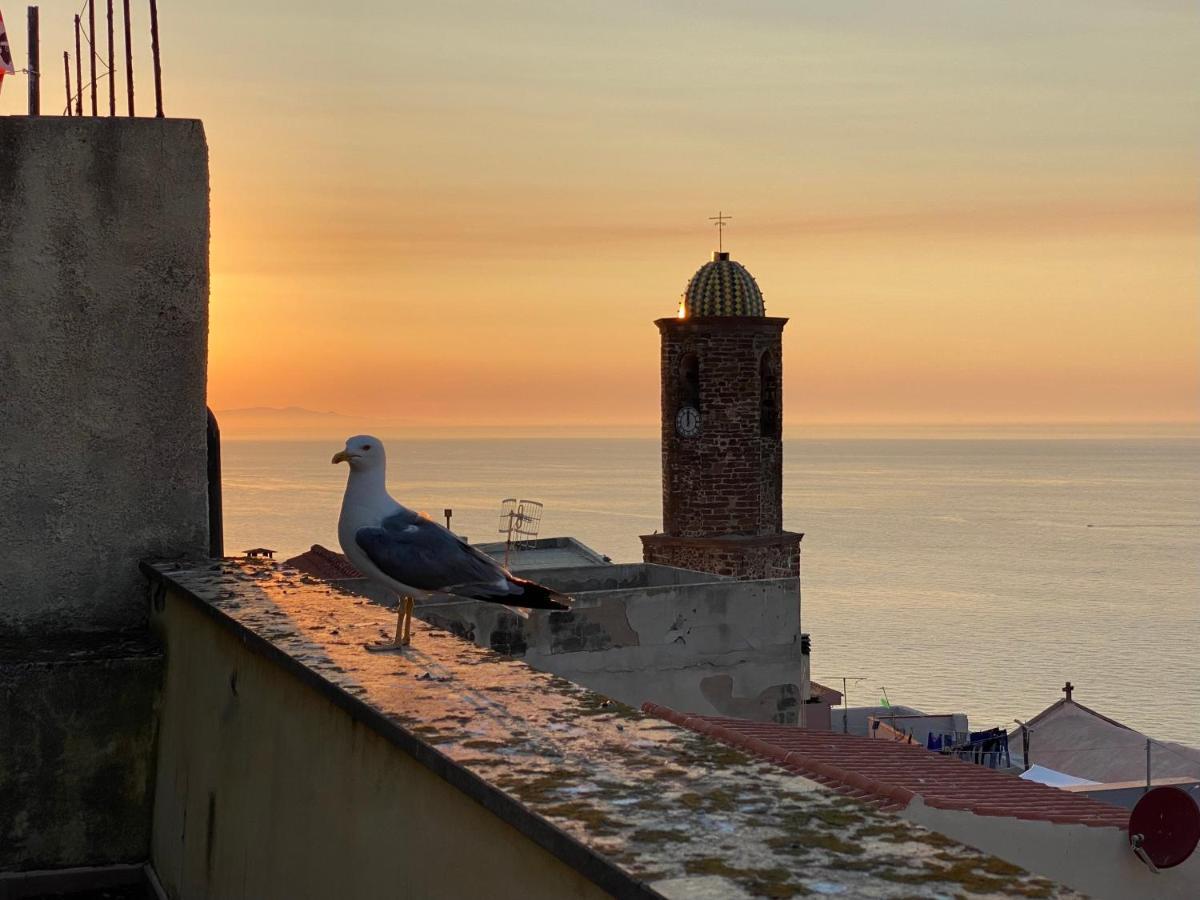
722, 418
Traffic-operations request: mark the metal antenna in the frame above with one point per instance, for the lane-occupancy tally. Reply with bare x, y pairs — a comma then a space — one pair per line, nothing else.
1024, 742
520, 521
846, 699
888, 704
719, 220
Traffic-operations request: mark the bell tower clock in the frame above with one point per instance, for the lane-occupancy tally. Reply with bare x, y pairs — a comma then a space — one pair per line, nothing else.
722, 419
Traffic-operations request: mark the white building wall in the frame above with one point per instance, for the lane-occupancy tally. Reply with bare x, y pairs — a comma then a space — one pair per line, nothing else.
1096, 861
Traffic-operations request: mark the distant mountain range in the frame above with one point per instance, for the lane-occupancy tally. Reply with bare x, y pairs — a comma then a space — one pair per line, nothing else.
285, 422
277, 412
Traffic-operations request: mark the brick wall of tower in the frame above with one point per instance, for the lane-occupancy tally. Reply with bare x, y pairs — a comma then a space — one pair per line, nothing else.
728, 478
776, 560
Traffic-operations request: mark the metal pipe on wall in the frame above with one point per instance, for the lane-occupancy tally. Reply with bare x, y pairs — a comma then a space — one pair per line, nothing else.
35, 64
216, 513
92, 49
157, 61
78, 72
112, 75
128, 62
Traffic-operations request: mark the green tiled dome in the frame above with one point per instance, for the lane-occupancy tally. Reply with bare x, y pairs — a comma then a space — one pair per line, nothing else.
722, 288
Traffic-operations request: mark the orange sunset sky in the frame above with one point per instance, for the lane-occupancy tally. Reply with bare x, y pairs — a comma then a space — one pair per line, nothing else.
469, 212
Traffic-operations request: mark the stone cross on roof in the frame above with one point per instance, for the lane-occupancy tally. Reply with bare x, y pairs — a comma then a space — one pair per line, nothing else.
1068, 689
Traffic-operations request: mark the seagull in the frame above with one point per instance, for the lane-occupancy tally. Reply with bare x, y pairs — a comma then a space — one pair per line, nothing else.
401, 549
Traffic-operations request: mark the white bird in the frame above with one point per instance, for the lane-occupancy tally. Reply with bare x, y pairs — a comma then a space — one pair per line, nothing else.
401, 549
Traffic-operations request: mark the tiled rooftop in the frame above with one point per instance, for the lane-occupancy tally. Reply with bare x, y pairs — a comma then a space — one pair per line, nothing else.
826, 694
321, 562
625, 796
890, 774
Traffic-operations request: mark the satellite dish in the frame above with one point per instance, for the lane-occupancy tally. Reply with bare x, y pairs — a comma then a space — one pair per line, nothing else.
1164, 827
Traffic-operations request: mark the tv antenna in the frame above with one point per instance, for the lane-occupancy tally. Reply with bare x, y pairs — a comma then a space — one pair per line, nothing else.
846, 679
519, 522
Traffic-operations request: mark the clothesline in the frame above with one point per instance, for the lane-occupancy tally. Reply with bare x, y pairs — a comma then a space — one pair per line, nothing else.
79, 94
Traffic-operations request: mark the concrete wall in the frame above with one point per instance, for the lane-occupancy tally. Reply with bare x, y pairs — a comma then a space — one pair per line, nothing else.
587, 579
104, 275
637, 633
1129, 796
267, 789
817, 716
103, 341
1095, 861
77, 729
907, 720
545, 553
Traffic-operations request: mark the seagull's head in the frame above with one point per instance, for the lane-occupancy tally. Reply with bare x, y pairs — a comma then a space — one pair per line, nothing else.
362, 453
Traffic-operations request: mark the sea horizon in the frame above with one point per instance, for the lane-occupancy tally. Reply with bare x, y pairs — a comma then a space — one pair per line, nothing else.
338, 426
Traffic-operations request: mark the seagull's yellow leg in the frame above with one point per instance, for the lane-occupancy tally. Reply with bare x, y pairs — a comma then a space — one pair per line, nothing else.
403, 637
407, 618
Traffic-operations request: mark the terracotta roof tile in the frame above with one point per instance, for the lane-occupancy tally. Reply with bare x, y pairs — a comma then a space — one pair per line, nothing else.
321, 562
826, 694
892, 774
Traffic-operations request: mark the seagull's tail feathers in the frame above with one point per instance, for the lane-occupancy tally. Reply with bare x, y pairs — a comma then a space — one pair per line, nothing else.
535, 596
512, 591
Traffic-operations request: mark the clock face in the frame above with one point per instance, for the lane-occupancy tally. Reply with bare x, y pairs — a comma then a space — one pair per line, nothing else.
687, 421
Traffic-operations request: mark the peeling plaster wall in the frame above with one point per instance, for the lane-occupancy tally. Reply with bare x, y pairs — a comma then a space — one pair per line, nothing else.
678, 638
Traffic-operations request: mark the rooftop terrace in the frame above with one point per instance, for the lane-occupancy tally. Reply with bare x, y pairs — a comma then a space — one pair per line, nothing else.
637, 805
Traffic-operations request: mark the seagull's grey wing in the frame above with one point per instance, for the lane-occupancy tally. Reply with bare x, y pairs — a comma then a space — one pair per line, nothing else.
422, 554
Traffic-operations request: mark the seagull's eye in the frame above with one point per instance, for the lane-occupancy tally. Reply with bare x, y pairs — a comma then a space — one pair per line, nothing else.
366, 446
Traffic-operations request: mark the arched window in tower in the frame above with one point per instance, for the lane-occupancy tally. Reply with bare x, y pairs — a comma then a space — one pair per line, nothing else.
769, 416
689, 381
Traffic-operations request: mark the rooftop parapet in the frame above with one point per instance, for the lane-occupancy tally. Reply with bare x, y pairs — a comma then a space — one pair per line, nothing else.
633, 805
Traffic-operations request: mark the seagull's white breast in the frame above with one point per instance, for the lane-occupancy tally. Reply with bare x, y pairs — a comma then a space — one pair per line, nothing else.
364, 505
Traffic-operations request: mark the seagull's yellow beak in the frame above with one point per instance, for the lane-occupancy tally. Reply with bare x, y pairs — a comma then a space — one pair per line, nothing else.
342, 456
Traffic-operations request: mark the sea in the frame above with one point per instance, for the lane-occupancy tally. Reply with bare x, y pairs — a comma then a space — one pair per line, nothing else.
955, 575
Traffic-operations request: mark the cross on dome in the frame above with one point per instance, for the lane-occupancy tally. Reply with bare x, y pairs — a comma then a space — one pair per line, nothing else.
719, 220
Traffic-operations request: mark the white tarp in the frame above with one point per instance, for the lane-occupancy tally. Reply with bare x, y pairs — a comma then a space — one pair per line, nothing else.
1042, 775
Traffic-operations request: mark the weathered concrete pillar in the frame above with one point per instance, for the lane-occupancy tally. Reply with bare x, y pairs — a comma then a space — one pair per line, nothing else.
103, 343
104, 275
